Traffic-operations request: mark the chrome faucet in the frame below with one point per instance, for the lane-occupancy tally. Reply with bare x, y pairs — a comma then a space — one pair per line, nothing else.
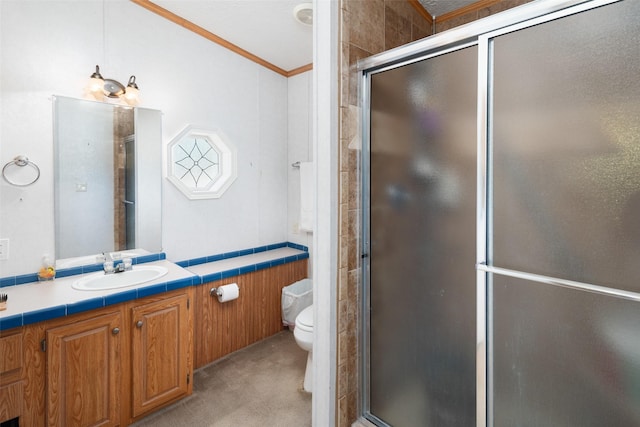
107, 265
110, 267
124, 265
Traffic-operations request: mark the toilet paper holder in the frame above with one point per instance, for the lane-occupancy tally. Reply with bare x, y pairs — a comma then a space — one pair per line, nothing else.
215, 292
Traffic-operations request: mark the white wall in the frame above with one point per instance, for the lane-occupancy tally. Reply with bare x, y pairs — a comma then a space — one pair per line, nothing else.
300, 150
51, 47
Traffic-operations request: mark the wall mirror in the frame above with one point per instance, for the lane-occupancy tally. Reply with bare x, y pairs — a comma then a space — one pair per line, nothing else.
108, 177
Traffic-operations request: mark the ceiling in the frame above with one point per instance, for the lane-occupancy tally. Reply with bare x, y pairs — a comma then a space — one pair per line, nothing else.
267, 28
440, 7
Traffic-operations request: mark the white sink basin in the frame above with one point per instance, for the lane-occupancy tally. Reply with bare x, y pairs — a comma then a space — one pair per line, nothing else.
100, 281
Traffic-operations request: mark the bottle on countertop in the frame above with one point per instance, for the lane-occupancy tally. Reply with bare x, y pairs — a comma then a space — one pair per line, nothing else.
47, 270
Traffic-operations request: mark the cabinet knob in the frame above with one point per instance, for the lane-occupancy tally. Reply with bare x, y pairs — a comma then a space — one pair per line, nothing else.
139, 323
115, 331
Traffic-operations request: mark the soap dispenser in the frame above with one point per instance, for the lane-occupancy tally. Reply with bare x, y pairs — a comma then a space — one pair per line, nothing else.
47, 270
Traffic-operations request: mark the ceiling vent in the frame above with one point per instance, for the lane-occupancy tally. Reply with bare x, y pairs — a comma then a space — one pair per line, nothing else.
304, 13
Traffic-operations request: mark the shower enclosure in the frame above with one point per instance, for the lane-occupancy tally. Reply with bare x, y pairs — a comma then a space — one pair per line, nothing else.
501, 222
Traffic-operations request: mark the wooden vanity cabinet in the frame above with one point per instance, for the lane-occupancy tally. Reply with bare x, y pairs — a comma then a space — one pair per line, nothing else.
98, 368
160, 342
83, 372
11, 384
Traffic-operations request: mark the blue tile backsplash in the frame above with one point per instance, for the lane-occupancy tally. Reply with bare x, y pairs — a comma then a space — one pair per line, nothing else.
234, 254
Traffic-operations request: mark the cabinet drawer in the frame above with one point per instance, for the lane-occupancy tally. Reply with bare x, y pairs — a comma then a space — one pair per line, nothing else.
10, 401
10, 358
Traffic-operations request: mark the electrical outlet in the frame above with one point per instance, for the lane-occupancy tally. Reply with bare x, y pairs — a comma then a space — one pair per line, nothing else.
4, 249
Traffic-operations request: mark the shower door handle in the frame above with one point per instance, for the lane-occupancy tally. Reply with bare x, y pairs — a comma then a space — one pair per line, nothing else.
128, 202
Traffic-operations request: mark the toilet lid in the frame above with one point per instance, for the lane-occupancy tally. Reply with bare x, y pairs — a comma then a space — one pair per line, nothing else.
305, 318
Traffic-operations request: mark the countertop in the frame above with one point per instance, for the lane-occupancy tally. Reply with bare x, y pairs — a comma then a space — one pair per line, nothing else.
38, 301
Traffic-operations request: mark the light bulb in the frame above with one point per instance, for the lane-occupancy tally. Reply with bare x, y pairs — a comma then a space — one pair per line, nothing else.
95, 86
131, 96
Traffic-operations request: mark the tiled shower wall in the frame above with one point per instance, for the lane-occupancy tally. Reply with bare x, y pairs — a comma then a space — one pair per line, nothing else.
122, 127
369, 27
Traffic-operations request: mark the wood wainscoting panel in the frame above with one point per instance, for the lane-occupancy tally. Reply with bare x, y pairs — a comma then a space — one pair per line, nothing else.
222, 328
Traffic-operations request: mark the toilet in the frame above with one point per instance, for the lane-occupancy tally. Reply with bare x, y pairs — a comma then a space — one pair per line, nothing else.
303, 333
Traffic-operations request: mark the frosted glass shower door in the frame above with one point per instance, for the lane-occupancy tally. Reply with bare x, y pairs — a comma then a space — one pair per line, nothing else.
422, 221
566, 221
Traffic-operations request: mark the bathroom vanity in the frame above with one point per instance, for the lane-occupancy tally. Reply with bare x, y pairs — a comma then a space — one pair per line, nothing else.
137, 356
112, 357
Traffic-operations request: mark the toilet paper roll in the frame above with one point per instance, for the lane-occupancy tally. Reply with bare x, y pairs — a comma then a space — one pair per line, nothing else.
228, 292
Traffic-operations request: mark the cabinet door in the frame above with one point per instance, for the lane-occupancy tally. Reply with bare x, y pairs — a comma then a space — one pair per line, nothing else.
160, 341
83, 372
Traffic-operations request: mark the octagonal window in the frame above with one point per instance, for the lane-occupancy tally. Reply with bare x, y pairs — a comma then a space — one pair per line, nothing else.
201, 163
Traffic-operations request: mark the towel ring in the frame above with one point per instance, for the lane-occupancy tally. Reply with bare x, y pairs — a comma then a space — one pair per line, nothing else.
20, 161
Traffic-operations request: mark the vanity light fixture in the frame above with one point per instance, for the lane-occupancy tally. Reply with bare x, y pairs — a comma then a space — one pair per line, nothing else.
99, 87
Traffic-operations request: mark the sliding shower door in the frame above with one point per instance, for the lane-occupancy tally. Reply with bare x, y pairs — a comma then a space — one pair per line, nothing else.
422, 221
518, 215
565, 266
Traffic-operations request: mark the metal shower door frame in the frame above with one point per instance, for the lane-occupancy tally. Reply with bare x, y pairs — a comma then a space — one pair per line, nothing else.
365, 88
480, 34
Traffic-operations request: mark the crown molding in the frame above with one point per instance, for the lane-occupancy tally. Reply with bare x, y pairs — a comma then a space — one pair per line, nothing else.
421, 10
159, 10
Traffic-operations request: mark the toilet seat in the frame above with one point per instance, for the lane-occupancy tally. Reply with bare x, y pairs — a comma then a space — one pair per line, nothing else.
304, 320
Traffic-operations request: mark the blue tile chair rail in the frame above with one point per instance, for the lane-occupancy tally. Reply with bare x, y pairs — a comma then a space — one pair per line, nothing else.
243, 252
251, 268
